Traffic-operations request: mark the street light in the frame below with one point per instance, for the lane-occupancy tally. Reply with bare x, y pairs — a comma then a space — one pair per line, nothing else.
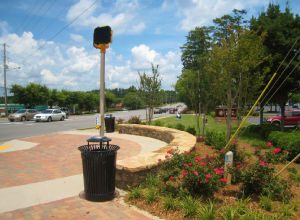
5, 92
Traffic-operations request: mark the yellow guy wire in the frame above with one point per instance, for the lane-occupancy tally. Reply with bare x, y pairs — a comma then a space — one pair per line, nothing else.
288, 164
250, 111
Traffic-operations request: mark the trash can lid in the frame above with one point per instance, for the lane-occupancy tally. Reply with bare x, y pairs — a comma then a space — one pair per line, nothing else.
108, 115
98, 138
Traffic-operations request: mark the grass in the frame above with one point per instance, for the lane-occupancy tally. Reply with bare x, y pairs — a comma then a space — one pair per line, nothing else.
189, 120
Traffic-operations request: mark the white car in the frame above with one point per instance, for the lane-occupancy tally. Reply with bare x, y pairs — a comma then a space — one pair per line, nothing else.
50, 115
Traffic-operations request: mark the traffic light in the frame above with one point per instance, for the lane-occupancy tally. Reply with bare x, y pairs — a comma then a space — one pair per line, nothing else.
102, 35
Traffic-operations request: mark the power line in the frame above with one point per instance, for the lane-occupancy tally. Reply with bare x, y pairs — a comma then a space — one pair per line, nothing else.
63, 29
50, 24
24, 19
34, 24
283, 70
29, 21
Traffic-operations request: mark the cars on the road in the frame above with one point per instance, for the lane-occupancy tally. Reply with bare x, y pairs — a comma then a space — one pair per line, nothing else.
22, 115
172, 111
164, 110
50, 115
157, 111
296, 107
65, 110
124, 109
292, 118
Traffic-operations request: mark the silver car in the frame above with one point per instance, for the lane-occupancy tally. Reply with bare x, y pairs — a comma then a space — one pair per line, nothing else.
22, 115
50, 115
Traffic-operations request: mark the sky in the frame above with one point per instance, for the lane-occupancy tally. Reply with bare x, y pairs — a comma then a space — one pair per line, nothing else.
52, 40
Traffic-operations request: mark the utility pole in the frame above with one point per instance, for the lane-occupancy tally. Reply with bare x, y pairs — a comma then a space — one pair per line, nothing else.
5, 93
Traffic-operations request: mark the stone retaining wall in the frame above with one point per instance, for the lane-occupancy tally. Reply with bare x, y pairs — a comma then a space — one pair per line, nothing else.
132, 171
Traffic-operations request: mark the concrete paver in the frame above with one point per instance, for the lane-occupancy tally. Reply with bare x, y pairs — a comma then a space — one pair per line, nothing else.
41, 177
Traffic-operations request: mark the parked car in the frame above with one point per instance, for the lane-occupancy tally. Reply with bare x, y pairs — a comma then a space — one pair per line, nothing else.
292, 118
65, 110
296, 107
2, 114
164, 110
50, 115
22, 115
157, 111
124, 109
172, 111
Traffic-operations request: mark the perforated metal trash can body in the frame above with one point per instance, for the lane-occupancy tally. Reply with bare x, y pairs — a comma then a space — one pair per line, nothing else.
99, 171
110, 124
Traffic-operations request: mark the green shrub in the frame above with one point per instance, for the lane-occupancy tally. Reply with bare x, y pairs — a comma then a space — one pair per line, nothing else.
255, 114
212, 114
274, 136
191, 130
157, 123
216, 139
264, 129
169, 126
180, 127
290, 142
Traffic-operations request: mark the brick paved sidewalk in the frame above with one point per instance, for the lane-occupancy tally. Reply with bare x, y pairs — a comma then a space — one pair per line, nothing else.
76, 208
57, 156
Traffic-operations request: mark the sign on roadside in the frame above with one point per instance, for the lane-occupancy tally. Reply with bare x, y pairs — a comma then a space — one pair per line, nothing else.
98, 120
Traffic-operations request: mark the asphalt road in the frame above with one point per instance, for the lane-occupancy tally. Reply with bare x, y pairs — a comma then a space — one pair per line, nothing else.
16, 130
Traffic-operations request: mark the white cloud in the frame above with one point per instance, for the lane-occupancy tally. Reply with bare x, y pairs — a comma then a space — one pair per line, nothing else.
120, 58
77, 38
122, 15
201, 13
137, 28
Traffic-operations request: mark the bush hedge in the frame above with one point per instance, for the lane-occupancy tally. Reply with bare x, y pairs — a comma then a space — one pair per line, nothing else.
263, 130
216, 139
287, 141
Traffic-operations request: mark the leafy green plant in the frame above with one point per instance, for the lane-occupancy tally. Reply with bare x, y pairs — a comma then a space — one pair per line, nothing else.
134, 192
180, 127
169, 126
294, 175
189, 206
266, 203
241, 207
215, 139
170, 204
229, 212
255, 114
295, 205
152, 180
191, 130
286, 210
208, 212
212, 114
157, 123
151, 195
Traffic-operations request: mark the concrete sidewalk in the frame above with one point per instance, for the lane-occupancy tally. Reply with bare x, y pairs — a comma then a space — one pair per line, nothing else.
41, 177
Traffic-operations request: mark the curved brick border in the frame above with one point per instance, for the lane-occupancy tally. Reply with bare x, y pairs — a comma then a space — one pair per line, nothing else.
132, 171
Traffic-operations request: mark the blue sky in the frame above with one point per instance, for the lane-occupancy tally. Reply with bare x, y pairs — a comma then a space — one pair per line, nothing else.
53, 46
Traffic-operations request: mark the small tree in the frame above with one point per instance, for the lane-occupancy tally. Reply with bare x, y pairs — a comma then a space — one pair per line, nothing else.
149, 87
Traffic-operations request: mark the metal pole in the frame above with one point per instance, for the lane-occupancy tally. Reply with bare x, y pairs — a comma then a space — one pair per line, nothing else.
5, 93
102, 69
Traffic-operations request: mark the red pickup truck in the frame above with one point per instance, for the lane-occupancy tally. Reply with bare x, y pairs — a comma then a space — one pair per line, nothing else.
292, 118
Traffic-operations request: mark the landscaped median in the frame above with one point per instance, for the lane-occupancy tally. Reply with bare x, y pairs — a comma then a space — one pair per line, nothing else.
133, 171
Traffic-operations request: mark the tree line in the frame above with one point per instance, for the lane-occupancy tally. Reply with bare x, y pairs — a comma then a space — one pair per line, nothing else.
230, 63
35, 94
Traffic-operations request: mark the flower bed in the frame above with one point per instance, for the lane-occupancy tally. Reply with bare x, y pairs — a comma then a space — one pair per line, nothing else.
133, 171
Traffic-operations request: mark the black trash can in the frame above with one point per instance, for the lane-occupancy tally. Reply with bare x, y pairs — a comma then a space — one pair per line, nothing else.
99, 171
109, 123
